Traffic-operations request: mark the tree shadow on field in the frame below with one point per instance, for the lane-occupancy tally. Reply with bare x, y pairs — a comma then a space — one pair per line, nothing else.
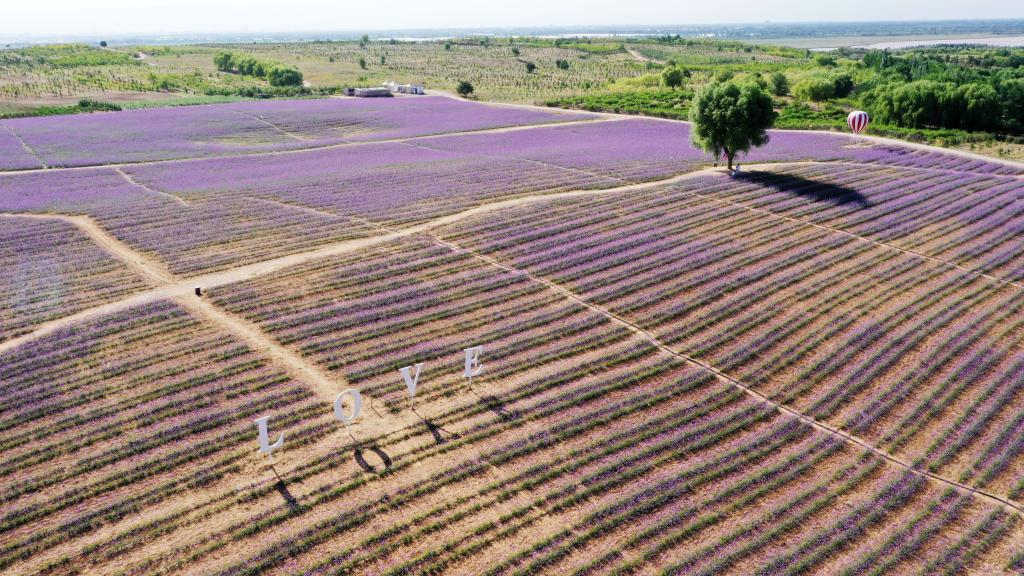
805, 187
361, 460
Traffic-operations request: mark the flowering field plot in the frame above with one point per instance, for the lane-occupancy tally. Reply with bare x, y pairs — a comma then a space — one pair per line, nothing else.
200, 235
970, 220
638, 150
50, 270
581, 446
128, 414
391, 183
366, 119
223, 129
896, 155
916, 355
14, 155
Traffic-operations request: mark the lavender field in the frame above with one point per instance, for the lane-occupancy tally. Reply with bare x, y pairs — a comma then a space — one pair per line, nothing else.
815, 366
217, 130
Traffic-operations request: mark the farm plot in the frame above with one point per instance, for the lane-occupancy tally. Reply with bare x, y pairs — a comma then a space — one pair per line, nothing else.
579, 439
638, 150
917, 355
224, 129
971, 220
15, 156
391, 183
110, 419
189, 237
50, 270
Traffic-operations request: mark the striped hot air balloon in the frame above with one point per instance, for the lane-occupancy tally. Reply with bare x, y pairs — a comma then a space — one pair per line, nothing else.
858, 120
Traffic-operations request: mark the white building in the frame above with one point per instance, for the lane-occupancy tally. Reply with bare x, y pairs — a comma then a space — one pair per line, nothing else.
371, 92
411, 89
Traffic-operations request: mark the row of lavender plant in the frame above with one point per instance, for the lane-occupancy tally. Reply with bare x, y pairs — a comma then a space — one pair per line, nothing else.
99, 412
622, 244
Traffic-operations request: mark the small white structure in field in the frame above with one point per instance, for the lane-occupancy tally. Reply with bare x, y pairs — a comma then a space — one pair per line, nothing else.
357, 406
264, 438
411, 381
411, 89
372, 92
473, 366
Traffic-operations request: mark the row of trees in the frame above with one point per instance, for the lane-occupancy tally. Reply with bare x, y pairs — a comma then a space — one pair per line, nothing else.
273, 72
927, 103
968, 88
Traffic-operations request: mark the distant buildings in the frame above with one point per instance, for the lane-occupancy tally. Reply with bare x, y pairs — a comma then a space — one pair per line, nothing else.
388, 89
371, 92
410, 89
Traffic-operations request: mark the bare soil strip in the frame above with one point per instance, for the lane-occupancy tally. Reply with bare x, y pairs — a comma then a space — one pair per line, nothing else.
641, 58
134, 182
326, 386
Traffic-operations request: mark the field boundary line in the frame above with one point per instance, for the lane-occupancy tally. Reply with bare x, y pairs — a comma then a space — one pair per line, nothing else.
306, 209
1005, 503
29, 149
134, 182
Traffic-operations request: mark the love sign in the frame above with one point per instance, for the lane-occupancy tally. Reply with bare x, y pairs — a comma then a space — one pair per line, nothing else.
353, 400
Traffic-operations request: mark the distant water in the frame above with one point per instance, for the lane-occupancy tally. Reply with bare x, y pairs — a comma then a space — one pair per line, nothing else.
1004, 41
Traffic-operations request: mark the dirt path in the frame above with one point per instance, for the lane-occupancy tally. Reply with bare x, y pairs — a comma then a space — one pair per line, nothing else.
148, 267
172, 287
325, 385
641, 58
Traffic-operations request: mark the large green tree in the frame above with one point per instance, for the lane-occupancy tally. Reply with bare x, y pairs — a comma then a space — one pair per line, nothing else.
728, 118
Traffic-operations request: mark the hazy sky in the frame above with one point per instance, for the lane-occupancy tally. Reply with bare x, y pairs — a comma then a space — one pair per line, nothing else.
90, 17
